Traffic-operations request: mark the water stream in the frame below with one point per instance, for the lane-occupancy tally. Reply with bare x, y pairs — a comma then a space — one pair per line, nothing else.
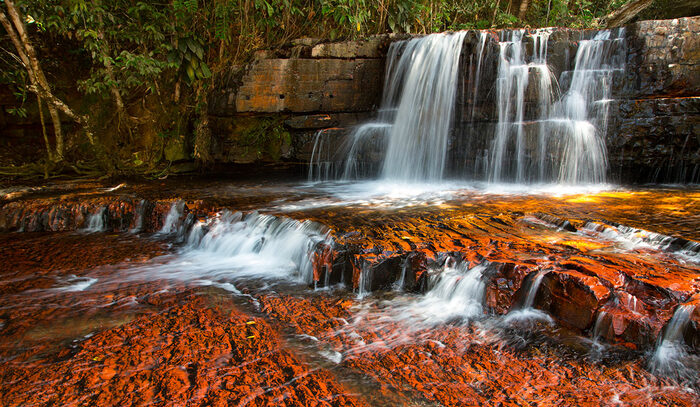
415, 283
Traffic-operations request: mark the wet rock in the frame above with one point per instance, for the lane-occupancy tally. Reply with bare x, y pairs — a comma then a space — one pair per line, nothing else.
502, 286
665, 56
572, 297
655, 140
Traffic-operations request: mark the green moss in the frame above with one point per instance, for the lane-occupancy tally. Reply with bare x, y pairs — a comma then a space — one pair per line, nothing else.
265, 138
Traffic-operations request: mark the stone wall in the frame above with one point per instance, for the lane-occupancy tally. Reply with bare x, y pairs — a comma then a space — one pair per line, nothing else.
655, 132
311, 87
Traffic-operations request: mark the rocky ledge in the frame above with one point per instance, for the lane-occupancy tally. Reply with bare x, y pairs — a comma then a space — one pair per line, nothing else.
600, 274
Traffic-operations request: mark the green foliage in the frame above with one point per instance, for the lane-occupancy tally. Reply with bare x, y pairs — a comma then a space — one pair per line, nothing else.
151, 53
14, 76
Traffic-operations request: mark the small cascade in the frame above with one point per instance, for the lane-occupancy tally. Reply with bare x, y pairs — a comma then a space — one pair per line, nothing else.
138, 217
401, 282
96, 222
457, 293
532, 290
509, 157
631, 238
173, 220
255, 245
527, 311
601, 326
671, 356
364, 284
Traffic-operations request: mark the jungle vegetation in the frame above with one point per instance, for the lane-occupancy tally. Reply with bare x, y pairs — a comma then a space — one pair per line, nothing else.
114, 80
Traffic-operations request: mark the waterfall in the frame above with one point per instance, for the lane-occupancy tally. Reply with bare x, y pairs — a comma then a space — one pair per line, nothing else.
671, 356
509, 143
414, 121
138, 217
96, 221
457, 293
255, 244
541, 137
526, 311
532, 290
417, 145
584, 111
519, 121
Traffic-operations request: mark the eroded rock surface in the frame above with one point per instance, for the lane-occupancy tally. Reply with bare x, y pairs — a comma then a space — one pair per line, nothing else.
105, 318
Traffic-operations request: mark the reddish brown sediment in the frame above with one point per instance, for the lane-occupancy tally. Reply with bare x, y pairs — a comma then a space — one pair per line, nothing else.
586, 274
135, 341
169, 345
186, 353
456, 365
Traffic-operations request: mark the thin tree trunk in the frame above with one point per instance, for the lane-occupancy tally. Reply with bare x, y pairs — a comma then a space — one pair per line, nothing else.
39, 84
523, 9
495, 12
107, 62
56, 119
40, 105
202, 140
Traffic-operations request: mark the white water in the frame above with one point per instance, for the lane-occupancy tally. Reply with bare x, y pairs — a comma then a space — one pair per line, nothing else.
508, 148
541, 136
138, 221
75, 283
417, 145
96, 221
173, 220
257, 245
414, 120
527, 311
564, 140
457, 294
629, 238
671, 356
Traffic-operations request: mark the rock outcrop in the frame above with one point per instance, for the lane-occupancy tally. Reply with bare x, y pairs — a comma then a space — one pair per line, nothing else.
654, 114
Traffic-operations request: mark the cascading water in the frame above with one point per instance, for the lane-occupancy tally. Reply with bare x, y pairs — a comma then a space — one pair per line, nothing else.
96, 221
527, 311
508, 148
542, 134
414, 120
457, 293
542, 138
417, 144
671, 356
255, 245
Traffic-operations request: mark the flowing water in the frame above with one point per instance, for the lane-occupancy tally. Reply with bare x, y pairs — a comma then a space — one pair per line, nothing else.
406, 289
377, 294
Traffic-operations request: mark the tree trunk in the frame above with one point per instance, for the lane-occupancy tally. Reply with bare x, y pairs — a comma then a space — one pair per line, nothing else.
625, 13
39, 83
523, 9
202, 135
107, 62
40, 105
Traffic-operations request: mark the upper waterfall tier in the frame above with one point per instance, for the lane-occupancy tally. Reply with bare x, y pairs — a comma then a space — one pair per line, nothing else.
493, 109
